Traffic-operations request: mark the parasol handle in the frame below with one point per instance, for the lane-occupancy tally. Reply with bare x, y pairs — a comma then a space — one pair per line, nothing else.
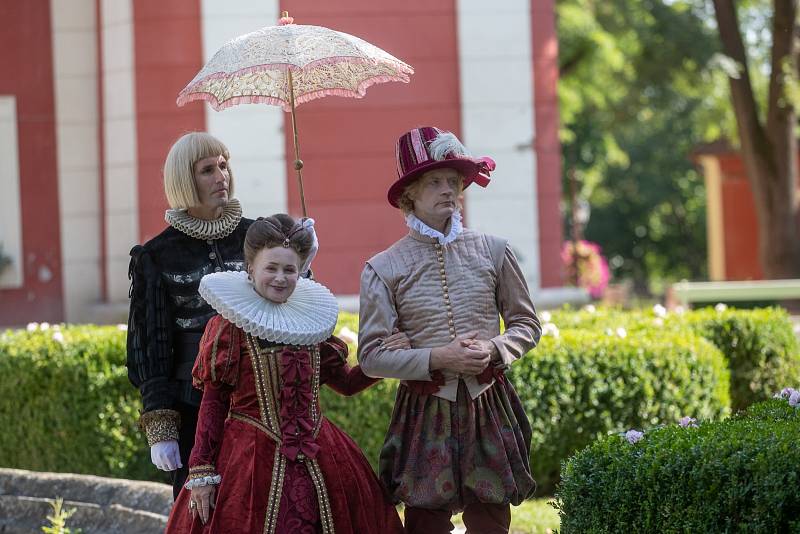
298, 163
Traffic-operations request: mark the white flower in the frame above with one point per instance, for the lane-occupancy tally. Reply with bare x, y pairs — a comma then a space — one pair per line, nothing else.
621, 332
633, 436
688, 422
549, 329
122, 327
659, 311
785, 393
348, 336
721, 307
58, 336
33, 327
589, 308
545, 316
680, 310
44, 326
658, 321
608, 332
794, 398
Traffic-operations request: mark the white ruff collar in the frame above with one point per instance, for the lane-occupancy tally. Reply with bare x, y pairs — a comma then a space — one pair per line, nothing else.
203, 229
308, 317
455, 228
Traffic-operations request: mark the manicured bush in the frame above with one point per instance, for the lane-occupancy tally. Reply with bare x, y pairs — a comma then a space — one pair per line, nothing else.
737, 475
582, 385
71, 407
760, 344
66, 403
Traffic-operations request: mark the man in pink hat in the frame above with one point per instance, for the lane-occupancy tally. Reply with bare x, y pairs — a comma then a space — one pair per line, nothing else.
459, 438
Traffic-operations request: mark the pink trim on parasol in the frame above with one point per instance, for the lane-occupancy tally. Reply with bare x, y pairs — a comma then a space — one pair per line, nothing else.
191, 95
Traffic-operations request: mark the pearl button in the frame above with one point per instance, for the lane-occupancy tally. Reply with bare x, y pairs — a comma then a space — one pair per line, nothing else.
217, 269
212, 255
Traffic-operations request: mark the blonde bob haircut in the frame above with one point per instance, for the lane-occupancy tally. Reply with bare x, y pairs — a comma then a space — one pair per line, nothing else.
406, 200
179, 185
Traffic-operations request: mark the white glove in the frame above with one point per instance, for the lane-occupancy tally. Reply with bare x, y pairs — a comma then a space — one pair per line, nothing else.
166, 455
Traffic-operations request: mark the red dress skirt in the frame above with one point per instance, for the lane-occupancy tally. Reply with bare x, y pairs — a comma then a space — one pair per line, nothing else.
284, 467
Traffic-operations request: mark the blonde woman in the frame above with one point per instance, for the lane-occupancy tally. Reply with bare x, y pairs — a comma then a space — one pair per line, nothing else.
204, 234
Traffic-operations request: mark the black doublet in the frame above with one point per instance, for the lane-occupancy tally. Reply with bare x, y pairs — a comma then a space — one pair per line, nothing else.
168, 315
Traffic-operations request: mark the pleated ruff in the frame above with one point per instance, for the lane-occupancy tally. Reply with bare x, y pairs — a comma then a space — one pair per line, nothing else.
446, 455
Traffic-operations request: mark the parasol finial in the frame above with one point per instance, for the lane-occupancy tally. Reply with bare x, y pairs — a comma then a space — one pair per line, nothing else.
285, 19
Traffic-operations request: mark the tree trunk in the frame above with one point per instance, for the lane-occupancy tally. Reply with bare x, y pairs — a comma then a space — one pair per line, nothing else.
769, 152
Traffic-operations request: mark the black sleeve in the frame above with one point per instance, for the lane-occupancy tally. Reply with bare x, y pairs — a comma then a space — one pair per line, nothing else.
149, 358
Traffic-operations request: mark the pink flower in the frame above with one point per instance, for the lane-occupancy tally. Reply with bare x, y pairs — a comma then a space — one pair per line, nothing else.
794, 398
593, 273
688, 422
633, 436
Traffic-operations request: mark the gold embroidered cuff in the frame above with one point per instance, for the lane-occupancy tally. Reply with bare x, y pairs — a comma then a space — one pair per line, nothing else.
201, 471
160, 425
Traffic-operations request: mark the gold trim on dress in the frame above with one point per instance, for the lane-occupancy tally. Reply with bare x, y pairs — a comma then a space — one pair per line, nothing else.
325, 511
244, 418
213, 363
275, 492
268, 383
200, 471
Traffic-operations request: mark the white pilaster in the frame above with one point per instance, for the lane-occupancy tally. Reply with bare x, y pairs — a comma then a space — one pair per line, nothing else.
75, 81
252, 132
10, 208
119, 140
497, 120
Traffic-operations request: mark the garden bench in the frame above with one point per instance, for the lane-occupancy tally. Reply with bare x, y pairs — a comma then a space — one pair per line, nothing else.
685, 293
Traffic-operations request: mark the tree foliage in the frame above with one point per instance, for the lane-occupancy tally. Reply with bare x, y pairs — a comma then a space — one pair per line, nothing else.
641, 87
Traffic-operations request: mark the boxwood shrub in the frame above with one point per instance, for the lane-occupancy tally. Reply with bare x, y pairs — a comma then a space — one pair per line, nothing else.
582, 385
760, 345
66, 404
72, 408
736, 475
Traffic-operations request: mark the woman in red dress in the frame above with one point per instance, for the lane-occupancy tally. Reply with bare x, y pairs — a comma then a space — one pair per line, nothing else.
265, 459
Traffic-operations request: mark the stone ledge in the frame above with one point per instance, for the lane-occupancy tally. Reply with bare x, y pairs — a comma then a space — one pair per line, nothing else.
103, 505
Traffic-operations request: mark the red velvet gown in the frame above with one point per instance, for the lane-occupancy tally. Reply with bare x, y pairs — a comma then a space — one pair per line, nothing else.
285, 468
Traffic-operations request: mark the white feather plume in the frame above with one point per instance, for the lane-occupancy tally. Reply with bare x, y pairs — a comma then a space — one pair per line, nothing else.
447, 144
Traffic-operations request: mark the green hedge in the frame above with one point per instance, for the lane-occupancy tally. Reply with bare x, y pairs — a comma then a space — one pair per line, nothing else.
760, 345
582, 385
68, 406
79, 410
737, 475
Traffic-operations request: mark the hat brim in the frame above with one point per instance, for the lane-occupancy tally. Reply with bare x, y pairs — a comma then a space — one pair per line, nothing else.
468, 170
